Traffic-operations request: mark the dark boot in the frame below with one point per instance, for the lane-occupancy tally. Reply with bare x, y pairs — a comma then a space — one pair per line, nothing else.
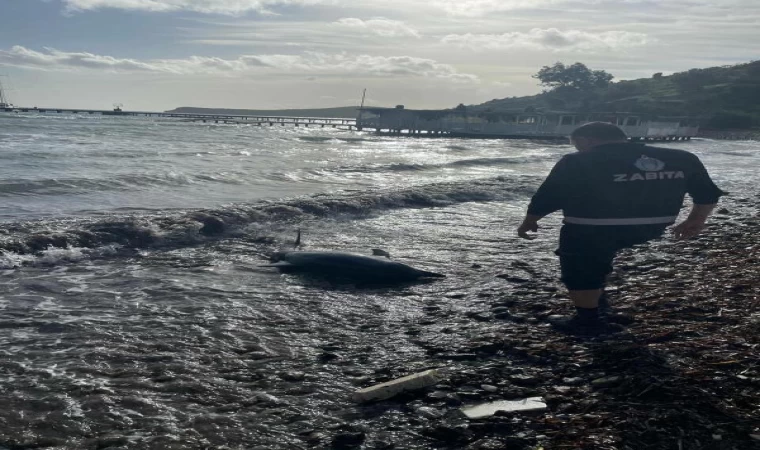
609, 314
604, 303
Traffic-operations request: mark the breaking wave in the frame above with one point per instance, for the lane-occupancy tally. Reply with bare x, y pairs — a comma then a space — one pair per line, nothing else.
52, 186
328, 139
474, 163
192, 227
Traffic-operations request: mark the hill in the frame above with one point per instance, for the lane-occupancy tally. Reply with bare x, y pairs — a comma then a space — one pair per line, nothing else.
349, 112
718, 98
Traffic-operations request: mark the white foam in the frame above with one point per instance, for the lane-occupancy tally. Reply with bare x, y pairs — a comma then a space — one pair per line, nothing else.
46, 303
10, 260
50, 257
53, 256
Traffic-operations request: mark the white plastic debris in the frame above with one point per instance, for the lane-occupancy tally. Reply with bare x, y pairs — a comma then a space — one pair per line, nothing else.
489, 409
391, 388
430, 413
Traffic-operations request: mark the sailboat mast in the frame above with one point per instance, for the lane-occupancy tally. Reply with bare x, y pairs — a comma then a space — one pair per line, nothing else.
361, 111
3, 100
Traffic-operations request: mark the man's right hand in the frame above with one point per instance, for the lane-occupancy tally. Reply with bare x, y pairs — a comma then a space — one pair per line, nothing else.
527, 226
688, 229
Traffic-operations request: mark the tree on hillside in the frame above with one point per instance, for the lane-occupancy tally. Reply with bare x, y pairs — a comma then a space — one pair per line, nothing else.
576, 77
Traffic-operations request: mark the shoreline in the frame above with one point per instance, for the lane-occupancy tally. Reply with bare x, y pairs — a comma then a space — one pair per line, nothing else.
683, 375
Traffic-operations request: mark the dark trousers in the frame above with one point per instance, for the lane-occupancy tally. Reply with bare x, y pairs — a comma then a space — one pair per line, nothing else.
586, 251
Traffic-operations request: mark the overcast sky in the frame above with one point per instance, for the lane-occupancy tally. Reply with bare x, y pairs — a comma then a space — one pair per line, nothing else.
266, 54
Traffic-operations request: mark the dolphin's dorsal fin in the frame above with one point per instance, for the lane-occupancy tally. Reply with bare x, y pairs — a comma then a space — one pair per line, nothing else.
380, 252
298, 239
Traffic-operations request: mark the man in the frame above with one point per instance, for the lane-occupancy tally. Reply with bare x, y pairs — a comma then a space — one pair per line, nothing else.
614, 195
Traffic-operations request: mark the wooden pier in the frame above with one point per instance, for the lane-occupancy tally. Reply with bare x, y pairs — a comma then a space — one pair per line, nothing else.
425, 124
316, 122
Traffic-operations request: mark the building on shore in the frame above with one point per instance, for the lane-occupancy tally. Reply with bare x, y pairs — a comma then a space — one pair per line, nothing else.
516, 124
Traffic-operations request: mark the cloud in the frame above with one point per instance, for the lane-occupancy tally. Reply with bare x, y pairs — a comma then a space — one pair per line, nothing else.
474, 8
713, 8
228, 7
379, 26
310, 63
236, 7
362, 65
550, 39
418, 9
23, 57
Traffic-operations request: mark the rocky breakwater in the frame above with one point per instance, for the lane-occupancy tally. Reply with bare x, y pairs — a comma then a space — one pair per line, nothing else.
685, 375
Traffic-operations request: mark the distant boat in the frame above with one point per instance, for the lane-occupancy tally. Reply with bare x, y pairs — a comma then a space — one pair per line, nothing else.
117, 110
5, 103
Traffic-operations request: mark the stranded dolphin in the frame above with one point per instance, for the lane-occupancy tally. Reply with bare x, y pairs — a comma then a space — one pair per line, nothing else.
341, 265
348, 266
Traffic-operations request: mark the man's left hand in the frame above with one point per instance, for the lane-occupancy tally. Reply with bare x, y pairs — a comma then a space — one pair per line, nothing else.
527, 226
688, 229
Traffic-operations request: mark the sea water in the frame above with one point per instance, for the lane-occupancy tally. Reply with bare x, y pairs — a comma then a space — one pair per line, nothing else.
132, 304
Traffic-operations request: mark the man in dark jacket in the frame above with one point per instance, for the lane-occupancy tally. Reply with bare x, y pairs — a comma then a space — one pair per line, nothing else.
614, 194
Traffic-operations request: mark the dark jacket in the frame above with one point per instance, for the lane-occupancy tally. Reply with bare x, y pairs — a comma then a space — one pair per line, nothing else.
624, 184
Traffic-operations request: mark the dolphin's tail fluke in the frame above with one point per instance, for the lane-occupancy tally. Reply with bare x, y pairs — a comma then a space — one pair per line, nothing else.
426, 274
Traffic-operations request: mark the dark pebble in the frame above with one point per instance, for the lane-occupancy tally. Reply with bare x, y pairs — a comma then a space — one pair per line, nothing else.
447, 433
453, 400
348, 440
327, 357
487, 444
524, 380
292, 376
480, 316
110, 441
315, 438
511, 279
